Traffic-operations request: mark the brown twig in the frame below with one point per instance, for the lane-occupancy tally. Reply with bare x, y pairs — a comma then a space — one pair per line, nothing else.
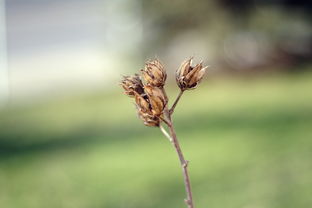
176, 102
175, 142
184, 164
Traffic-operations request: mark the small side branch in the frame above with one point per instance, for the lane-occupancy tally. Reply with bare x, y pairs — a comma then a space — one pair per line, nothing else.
176, 102
163, 130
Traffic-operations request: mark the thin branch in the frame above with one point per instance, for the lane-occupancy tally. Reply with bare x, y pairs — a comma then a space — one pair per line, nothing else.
184, 164
176, 102
163, 130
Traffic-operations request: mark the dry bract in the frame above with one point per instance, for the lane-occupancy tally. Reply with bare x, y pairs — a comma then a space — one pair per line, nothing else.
148, 119
187, 76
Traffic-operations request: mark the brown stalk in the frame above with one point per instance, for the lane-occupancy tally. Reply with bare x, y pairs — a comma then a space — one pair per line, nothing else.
184, 163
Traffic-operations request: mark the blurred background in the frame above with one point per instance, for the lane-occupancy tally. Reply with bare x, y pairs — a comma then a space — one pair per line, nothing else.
70, 138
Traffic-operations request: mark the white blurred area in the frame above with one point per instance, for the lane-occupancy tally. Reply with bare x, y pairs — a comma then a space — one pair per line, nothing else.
61, 47
4, 85
58, 47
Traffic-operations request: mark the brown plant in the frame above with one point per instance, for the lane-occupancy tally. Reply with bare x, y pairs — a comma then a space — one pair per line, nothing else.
152, 102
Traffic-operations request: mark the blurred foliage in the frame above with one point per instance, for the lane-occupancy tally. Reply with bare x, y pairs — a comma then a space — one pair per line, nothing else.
245, 35
248, 140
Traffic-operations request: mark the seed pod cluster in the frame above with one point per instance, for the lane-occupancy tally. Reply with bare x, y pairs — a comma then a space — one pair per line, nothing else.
148, 92
149, 96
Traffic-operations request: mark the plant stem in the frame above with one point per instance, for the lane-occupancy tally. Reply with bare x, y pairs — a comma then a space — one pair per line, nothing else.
184, 164
174, 141
176, 102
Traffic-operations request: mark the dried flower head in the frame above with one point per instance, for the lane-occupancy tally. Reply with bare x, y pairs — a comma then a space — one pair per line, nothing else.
149, 95
132, 85
157, 99
187, 76
154, 73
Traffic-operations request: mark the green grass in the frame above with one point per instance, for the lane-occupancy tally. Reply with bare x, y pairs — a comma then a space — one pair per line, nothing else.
249, 142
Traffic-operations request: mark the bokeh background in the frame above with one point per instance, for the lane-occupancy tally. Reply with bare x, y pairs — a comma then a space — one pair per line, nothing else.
69, 138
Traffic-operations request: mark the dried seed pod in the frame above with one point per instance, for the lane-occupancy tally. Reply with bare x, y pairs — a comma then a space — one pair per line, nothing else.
149, 120
187, 76
132, 85
142, 103
157, 99
144, 111
154, 73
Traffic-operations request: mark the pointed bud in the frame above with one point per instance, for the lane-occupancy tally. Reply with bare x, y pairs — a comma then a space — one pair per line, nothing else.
132, 85
157, 99
154, 73
187, 76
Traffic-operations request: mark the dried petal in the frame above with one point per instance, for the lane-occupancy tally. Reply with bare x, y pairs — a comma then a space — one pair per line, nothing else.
185, 67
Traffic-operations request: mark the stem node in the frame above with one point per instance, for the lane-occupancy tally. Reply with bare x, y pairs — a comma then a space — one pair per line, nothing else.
185, 164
